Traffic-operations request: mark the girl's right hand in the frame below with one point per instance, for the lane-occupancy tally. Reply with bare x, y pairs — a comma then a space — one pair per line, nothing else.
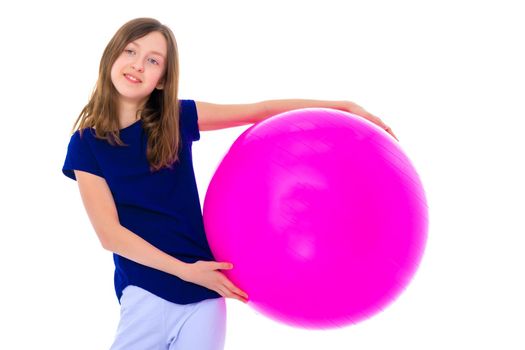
206, 274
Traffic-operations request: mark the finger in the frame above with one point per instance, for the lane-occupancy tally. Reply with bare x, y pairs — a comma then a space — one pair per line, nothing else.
229, 294
375, 119
223, 266
221, 292
235, 289
228, 285
391, 133
236, 294
389, 130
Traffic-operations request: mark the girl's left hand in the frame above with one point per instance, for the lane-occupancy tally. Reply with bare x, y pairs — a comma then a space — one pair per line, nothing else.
360, 111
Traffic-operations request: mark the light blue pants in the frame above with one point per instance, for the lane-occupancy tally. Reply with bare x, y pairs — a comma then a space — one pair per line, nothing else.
148, 322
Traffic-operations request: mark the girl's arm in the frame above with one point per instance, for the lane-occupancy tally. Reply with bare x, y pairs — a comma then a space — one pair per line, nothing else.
100, 206
101, 210
213, 116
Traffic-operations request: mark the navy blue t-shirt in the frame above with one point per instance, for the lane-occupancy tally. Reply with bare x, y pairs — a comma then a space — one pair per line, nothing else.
162, 207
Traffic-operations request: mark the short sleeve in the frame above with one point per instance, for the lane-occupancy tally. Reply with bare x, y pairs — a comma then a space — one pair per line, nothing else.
80, 156
189, 119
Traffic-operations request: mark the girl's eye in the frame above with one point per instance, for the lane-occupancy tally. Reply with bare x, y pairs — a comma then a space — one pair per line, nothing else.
132, 53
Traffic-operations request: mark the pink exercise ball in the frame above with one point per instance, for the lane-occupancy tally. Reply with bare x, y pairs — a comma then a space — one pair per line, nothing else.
322, 215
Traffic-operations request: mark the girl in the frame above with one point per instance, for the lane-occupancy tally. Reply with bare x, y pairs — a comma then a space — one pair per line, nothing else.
130, 153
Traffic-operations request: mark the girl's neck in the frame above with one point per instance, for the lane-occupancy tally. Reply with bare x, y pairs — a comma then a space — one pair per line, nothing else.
127, 113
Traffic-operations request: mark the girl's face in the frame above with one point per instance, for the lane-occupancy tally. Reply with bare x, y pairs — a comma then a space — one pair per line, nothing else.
140, 68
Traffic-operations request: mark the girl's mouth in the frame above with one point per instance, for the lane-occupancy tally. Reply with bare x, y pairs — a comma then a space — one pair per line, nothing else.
132, 79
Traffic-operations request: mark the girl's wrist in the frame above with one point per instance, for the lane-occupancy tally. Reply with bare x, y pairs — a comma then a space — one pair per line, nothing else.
180, 269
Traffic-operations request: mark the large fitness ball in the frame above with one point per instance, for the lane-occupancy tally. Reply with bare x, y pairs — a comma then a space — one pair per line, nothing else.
322, 215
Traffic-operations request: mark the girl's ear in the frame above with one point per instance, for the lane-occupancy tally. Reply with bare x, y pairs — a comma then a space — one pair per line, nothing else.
160, 85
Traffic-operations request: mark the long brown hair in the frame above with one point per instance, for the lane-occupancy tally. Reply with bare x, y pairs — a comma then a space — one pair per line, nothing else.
160, 115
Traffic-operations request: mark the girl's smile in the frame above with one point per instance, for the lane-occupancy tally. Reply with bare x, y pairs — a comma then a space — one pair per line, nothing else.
132, 79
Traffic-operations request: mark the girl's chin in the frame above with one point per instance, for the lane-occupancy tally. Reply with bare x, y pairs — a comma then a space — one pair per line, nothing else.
131, 98
130, 94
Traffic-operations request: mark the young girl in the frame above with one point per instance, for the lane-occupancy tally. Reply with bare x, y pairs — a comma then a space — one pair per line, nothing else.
130, 153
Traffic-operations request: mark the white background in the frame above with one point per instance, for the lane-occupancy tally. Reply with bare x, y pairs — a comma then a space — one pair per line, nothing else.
447, 76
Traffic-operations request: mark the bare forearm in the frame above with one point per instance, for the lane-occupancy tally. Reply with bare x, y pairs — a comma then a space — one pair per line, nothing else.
133, 247
273, 107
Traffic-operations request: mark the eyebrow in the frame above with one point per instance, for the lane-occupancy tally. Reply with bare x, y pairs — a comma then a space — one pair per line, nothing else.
153, 52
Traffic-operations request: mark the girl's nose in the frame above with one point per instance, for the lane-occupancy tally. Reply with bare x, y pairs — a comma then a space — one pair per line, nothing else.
138, 67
